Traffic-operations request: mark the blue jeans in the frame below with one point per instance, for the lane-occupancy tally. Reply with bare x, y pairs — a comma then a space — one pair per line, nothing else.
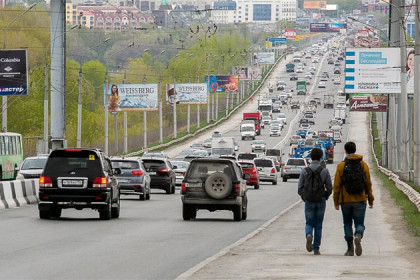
314, 215
353, 211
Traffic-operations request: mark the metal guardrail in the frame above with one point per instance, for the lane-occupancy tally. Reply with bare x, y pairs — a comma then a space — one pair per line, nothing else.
209, 125
412, 194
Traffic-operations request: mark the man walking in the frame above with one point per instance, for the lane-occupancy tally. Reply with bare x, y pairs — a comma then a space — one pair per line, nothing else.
352, 188
314, 188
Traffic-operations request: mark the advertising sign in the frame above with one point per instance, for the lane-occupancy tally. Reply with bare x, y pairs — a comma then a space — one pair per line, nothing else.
314, 4
13, 72
374, 70
264, 58
328, 27
254, 73
247, 73
290, 33
275, 42
186, 93
131, 97
368, 102
222, 83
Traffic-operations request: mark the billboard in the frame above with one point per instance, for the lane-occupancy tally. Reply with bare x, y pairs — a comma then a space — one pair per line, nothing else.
314, 4
275, 42
131, 97
264, 58
216, 83
247, 72
376, 70
186, 93
290, 33
328, 27
13, 72
254, 73
368, 102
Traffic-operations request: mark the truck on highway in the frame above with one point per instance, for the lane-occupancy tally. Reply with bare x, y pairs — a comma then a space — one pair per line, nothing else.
301, 87
326, 139
223, 146
256, 117
329, 101
290, 67
265, 105
340, 113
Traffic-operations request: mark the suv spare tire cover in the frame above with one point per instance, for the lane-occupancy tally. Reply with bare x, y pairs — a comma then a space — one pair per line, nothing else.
218, 185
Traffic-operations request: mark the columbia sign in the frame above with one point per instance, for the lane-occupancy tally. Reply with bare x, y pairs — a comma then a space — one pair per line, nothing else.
13, 72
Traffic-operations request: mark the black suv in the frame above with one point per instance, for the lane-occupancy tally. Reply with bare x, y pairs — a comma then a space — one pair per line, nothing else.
162, 176
214, 184
78, 178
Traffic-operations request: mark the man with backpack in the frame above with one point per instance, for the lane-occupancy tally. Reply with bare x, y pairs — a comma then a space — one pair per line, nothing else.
352, 188
314, 188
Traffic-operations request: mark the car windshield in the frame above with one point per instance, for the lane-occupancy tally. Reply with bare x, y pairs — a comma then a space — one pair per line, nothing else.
34, 163
295, 161
246, 156
180, 164
73, 162
154, 165
281, 116
248, 128
222, 151
123, 164
246, 164
263, 163
199, 170
258, 142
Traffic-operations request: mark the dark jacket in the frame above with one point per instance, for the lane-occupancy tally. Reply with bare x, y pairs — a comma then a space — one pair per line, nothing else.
325, 177
340, 194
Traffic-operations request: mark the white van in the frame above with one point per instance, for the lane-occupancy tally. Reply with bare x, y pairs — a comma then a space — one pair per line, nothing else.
223, 146
248, 131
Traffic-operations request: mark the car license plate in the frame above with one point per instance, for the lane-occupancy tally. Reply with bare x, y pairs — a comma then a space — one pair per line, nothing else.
72, 182
194, 185
123, 180
152, 173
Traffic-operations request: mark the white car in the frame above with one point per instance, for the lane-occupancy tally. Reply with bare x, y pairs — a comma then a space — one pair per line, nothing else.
277, 123
266, 120
282, 117
275, 130
322, 84
258, 145
336, 80
299, 70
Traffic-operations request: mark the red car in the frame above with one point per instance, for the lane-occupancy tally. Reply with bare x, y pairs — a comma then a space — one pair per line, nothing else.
248, 167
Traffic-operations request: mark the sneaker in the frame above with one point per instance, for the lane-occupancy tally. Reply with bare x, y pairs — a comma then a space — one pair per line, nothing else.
358, 244
349, 253
317, 252
309, 243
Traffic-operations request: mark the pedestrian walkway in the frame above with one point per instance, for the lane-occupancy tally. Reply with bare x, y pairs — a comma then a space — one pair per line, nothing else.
277, 250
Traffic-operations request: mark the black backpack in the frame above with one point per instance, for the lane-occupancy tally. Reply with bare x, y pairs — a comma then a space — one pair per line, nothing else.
353, 177
313, 188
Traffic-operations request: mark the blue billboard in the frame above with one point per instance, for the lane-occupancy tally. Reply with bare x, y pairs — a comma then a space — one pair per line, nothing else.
327, 27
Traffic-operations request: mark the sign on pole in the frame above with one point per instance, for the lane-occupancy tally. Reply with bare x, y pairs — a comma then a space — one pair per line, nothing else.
220, 83
368, 102
186, 93
13, 72
131, 97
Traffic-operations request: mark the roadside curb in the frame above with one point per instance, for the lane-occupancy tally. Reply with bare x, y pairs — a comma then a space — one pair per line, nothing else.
18, 193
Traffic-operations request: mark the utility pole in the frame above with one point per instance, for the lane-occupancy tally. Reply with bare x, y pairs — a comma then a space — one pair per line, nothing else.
46, 83
417, 99
106, 116
391, 132
125, 149
402, 110
79, 112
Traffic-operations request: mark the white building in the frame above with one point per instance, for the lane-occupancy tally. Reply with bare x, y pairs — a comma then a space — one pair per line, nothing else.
253, 11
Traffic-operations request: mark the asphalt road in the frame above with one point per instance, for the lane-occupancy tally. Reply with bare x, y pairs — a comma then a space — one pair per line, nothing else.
150, 240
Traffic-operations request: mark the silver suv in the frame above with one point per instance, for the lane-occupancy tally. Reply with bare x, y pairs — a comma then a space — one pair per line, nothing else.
214, 184
293, 167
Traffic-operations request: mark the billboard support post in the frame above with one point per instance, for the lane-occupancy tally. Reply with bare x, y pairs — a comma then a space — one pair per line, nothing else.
417, 100
106, 117
160, 123
125, 121
227, 103
403, 100
188, 117
116, 132
79, 112
145, 129
198, 105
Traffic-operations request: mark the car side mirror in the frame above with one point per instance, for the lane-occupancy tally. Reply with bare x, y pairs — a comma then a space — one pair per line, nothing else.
174, 167
246, 176
117, 171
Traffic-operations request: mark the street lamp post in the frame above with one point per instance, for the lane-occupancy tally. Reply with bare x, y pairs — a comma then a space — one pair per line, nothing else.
174, 105
4, 98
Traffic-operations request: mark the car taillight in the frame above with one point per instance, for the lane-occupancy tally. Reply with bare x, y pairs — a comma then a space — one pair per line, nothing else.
237, 188
276, 163
100, 182
183, 188
182, 173
45, 182
273, 170
254, 169
164, 170
137, 172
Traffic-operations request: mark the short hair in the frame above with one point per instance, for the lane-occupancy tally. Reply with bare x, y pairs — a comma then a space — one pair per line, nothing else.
316, 154
350, 147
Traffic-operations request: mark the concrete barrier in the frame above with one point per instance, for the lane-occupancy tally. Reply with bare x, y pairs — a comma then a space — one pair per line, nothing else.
18, 193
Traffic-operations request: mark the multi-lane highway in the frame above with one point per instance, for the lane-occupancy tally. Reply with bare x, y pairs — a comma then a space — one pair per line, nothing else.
150, 240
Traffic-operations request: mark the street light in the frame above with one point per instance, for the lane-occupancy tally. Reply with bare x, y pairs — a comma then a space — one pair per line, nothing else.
4, 98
